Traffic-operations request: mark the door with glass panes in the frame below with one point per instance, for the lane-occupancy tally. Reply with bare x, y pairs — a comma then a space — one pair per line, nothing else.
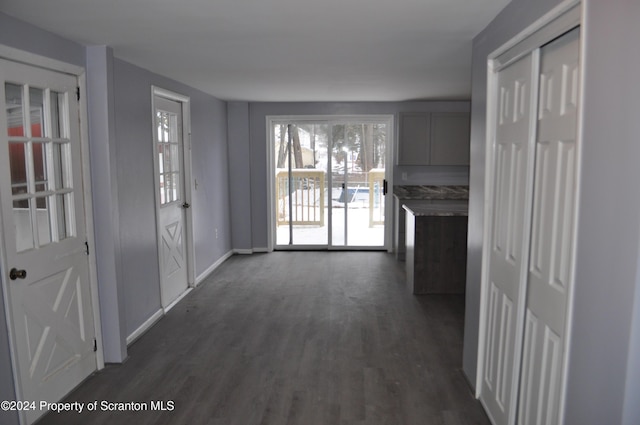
330, 182
45, 258
171, 198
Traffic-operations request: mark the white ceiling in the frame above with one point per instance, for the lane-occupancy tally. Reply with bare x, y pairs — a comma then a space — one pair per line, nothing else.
283, 50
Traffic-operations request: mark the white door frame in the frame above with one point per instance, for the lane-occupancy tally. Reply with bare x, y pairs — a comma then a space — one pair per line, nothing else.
331, 119
559, 20
187, 187
31, 59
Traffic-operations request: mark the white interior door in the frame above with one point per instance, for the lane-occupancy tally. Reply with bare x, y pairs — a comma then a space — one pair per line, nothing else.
551, 252
46, 276
169, 143
508, 239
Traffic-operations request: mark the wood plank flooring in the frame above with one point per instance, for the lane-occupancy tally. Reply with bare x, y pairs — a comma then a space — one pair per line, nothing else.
295, 338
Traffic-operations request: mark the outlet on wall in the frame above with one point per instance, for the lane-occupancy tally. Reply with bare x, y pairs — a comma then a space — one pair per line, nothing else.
404, 176
216, 233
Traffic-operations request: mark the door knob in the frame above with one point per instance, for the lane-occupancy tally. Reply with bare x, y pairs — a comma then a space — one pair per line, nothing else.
186, 205
17, 274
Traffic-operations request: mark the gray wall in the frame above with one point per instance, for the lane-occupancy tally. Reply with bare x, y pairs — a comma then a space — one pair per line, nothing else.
602, 350
136, 199
240, 174
24, 36
134, 149
210, 167
104, 191
609, 219
258, 231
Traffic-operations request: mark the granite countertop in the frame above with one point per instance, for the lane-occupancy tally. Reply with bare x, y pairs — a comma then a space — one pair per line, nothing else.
437, 208
430, 192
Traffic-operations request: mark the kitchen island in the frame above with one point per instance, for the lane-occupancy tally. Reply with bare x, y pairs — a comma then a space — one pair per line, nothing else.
436, 246
403, 194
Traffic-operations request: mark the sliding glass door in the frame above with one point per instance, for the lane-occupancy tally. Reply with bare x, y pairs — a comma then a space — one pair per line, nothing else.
330, 182
301, 158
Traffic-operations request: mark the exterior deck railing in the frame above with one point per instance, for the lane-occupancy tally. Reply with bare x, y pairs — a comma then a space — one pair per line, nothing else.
303, 194
376, 197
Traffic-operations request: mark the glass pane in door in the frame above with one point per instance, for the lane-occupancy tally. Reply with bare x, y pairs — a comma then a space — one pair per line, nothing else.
366, 227
18, 167
358, 173
57, 104
36, 112
340, 190
301, 162
23, 226
13, 94
39, 159
43, 220
169, 159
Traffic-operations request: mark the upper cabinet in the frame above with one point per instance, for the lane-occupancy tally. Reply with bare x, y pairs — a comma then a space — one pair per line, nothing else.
413, 146
450, 138
436, 138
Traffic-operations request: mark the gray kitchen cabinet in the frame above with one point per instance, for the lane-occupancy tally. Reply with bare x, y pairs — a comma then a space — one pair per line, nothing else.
438, 138
436, 246
449, 138
413, 146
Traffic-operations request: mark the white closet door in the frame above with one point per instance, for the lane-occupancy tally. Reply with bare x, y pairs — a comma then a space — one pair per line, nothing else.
508, 256
552, 233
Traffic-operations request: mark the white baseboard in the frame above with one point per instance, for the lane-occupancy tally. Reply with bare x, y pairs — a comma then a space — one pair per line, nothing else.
212, 267
158, 314
250, 251
145, 326
177, 300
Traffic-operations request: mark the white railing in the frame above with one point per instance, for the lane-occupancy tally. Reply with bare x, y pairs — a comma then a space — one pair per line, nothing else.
302, 194
376, 197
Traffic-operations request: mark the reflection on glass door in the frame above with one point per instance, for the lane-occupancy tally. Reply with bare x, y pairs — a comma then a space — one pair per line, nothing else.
301, 182
330, 182
358, 180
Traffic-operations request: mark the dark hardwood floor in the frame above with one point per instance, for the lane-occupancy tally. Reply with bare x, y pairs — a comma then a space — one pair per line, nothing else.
295, 338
